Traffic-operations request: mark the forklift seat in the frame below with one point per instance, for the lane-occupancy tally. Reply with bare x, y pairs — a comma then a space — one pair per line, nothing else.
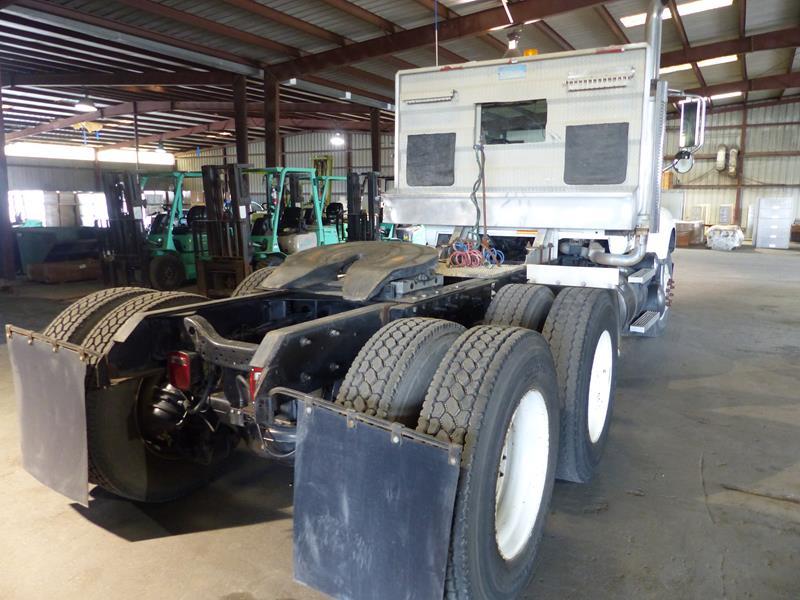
291, 218
333, 212
196, 213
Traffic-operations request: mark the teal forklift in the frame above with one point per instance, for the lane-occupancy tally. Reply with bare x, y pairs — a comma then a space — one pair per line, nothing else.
365, 213
170, 244
294, 217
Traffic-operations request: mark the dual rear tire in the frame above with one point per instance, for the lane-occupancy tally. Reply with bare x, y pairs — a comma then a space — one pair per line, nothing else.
121, 461
494, 391
581, 326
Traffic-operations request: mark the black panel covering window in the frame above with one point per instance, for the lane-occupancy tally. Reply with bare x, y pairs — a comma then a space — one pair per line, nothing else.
513, 122
596, 154
430, 159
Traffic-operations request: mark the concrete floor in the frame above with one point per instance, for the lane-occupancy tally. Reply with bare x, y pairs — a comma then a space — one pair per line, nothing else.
698, 496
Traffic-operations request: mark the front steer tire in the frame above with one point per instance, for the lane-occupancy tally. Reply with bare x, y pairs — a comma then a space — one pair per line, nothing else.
475, 396
583, 332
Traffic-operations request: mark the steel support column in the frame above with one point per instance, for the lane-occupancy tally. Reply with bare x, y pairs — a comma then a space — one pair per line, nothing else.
375, 138
7, 270
272, 116
240, 118
737, 207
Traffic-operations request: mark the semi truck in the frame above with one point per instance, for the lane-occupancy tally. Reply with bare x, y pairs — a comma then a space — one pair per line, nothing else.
428, 404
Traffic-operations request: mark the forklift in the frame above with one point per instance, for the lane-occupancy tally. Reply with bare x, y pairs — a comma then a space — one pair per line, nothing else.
124, 258
365, 223
169, 241
294, 218
223, 251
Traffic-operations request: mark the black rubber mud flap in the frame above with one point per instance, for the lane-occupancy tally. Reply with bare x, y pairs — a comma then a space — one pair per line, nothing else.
373, 506
49, 379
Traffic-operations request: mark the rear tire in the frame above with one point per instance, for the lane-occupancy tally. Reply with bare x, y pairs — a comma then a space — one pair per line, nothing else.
520, 305
496, 393
250, 284
391, 374
583, 332
120, 461
74, 322
167, 272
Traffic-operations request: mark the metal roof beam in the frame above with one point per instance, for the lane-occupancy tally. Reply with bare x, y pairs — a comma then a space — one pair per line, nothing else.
121, 78
770, 82
127, 108
774, 40
355, 11
116, 31
227, 124
553, 35
479, 22
677, 21
449, 13
187, 18
612, 24
283, 18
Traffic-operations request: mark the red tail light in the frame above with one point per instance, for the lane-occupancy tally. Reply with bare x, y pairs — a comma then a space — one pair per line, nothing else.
179, 365
255, 377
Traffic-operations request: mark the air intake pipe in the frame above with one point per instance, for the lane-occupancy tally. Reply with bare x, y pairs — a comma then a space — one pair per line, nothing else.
629, 259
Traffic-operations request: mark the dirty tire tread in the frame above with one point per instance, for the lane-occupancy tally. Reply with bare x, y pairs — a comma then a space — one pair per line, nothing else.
383, 362
565, 331
520, 305
100, 340
250, 284
455, 405
73, 323
477, 355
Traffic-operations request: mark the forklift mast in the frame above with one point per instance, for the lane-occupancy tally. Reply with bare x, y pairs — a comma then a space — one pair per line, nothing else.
223, 253
124, 255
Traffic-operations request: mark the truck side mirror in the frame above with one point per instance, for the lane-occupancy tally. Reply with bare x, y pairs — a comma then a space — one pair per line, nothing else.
693, 123
692, 132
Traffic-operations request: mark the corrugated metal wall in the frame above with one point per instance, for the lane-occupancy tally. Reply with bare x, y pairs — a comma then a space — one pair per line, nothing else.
54, 175
757, 170
299, 151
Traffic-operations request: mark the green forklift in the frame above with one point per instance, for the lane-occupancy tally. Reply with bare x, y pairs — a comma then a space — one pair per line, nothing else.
169, 241
294, 217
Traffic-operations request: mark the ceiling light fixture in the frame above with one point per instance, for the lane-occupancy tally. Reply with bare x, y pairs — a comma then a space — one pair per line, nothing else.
720, 60
337, 139
709, 62
726, 95
689, 8
160, 148
675, 69
85, 104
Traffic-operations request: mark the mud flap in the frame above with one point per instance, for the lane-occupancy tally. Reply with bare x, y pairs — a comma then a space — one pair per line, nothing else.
373, 506
49, 382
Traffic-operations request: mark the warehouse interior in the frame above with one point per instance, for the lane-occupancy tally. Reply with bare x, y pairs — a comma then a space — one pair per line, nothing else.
698, 492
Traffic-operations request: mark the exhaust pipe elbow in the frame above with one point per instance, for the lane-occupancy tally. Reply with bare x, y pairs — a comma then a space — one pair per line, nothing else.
634, 257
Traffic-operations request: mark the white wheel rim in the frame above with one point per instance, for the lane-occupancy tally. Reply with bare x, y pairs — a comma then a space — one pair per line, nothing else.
521, 475
600, 387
